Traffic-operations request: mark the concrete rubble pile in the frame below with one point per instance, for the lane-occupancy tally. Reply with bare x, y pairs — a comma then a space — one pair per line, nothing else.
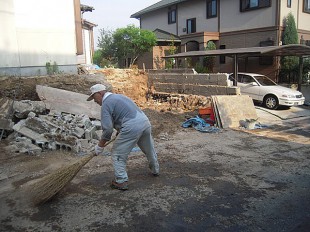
57, 131
32, 126
54, 131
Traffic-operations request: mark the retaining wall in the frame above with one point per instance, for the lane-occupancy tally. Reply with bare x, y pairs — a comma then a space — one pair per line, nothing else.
197, 84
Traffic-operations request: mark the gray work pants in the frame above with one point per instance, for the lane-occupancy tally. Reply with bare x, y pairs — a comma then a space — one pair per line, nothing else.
135, 131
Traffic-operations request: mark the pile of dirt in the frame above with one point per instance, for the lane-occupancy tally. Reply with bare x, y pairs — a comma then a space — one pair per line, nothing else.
130, 82
24, 88
164, 117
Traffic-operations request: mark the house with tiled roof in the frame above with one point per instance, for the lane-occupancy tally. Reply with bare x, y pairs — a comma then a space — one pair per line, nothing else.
229, 24
166, 42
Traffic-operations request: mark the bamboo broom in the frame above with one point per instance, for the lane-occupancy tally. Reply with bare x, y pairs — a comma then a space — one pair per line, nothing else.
50, 185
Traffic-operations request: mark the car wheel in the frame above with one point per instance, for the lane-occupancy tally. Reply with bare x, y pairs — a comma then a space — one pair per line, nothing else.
271, 102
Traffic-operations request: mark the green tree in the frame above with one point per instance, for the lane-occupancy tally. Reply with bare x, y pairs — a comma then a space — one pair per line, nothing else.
97, 57
171, 51
209, 61
290, 36
131, 42
106, 54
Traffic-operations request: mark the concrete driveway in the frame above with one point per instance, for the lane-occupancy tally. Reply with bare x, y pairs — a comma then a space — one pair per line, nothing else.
283, 113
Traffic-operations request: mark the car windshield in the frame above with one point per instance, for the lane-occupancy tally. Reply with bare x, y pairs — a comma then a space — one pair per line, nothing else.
264, 81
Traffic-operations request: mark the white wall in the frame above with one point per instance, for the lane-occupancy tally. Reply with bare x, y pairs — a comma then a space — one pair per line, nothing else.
185, 10
8, 42
87, 51
303, 21
234, 20
158, 19
37, 32
285, 10
198, 10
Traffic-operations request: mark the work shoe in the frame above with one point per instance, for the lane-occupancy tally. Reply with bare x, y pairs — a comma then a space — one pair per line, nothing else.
120, 186
153, 173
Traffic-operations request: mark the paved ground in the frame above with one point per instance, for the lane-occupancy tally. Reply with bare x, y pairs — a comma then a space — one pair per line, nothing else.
235, 180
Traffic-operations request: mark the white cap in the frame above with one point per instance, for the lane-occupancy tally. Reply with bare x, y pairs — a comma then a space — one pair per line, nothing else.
95, 89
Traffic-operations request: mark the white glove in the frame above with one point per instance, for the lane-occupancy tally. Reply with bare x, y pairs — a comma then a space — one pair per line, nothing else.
99, 150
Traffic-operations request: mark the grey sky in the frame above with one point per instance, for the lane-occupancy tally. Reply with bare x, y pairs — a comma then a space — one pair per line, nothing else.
113, 14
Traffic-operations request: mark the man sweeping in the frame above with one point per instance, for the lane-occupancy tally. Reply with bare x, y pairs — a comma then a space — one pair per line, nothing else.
133, 126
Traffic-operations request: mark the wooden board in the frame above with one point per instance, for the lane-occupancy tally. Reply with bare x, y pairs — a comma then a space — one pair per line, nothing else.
66, 101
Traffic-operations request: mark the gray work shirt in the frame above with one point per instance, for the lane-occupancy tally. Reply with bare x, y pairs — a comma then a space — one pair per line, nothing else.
116, 110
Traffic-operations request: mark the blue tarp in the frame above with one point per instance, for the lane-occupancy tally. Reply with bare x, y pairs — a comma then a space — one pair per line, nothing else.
200, 125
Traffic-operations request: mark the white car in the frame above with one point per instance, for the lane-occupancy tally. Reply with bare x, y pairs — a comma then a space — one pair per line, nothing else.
263, 89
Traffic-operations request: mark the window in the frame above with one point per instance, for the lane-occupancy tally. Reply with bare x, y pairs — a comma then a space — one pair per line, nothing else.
253, 3
266, 60
172, 16
211, 8
307, 6
191, 25
240, 78
289, 3
222, 58
247, 79
246, 5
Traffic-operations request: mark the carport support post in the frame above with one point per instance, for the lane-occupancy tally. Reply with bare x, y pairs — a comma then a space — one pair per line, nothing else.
235, 69
301, 60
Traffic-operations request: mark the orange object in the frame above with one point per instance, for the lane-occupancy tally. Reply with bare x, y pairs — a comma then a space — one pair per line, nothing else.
212, 117
204, 111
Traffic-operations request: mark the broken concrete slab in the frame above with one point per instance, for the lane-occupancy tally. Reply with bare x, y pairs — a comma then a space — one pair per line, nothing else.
67, 101
21, 128
5, 107
6, 124
23, 108
23, 145
231, 110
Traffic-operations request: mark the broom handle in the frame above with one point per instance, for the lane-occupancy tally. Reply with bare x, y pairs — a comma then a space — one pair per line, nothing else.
106, 144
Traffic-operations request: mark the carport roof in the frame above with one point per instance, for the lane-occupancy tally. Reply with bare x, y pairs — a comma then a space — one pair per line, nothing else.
284, 50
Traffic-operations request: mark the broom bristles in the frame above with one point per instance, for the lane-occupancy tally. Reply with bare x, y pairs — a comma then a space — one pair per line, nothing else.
51, 184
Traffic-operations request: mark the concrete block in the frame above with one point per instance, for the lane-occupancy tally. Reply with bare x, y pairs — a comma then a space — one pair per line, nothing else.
177, 70
83, 142
90, 133
233, 91
86, 122
36, 124
78, 132
83, 146
34, 136
23, 145
97, 124
6, 124
98, 134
